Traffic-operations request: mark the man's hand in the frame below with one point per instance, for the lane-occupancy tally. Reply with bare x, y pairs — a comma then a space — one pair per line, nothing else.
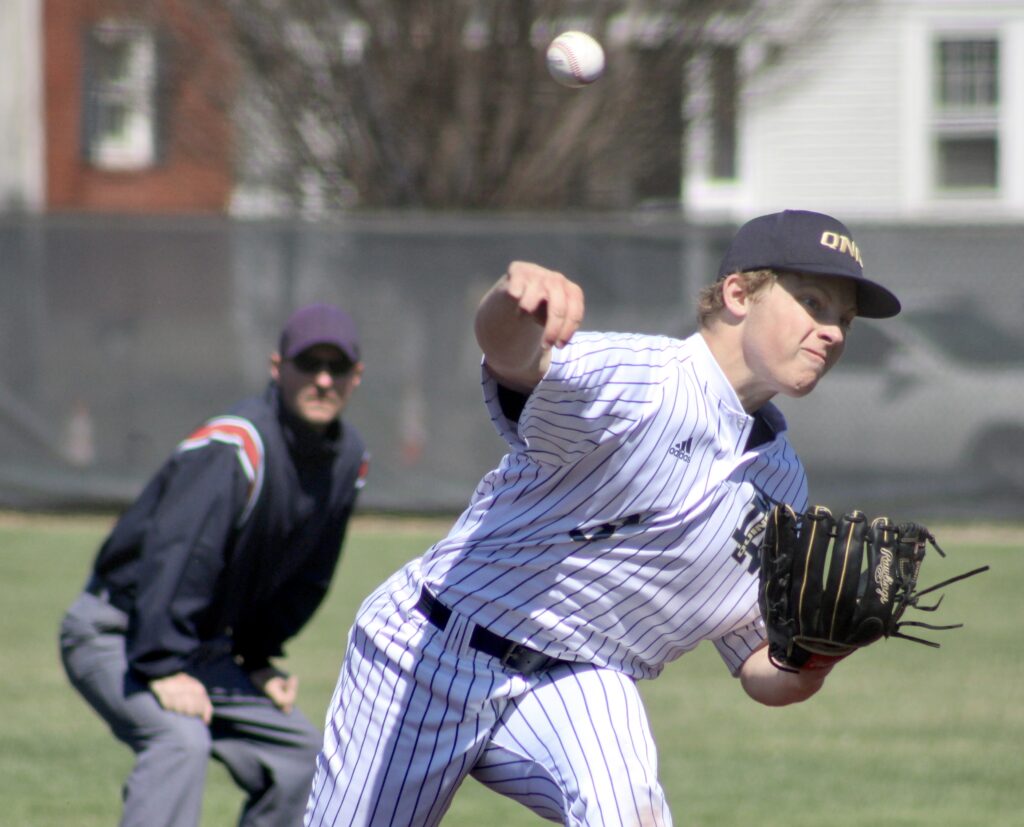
771, 686
281, 688
553, 301
527, 312
183, 694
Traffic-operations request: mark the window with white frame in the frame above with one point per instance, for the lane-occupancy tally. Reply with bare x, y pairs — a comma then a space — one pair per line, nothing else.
120, 99
966, 115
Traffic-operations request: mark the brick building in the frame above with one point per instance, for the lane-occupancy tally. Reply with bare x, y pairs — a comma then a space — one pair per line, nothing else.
134, 110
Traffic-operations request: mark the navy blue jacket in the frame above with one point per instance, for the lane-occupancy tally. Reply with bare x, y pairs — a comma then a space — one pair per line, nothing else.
234, 541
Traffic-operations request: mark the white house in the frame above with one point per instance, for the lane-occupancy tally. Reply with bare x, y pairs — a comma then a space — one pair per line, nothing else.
882, 110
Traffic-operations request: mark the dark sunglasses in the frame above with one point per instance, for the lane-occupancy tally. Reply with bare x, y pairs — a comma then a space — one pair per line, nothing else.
305, 363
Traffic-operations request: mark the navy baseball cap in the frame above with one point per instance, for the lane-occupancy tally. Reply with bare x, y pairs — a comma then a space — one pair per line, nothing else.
807, 242
319, 324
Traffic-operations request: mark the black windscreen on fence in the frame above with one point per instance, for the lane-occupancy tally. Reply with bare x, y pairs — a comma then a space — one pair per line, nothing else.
122, 333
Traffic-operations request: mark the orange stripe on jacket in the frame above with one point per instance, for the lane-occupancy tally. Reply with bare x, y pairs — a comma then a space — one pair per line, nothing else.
243, 436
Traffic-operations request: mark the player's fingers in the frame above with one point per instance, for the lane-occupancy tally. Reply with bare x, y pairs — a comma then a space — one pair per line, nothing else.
521, 278
574, 312
565, 312
554, 301
554, 322
515, 280
530, 285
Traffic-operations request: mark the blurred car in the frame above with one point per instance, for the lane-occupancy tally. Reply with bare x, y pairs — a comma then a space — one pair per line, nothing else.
936, 390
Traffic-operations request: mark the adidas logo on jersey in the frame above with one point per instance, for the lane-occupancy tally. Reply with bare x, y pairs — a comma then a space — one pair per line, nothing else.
682, 450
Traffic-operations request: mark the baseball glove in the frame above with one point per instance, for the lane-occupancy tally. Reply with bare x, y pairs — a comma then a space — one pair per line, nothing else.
829, 587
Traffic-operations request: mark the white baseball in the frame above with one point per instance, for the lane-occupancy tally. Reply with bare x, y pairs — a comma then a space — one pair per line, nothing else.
575, 59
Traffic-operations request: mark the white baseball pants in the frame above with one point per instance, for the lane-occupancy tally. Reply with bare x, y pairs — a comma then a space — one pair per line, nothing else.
416, 710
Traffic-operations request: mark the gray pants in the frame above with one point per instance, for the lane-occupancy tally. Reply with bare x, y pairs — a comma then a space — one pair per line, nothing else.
270, 755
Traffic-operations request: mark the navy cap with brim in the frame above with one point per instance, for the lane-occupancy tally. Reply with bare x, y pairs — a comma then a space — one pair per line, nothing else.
319, 324
801, 241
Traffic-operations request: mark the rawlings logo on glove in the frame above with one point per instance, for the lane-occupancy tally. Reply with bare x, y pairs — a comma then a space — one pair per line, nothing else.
829, 587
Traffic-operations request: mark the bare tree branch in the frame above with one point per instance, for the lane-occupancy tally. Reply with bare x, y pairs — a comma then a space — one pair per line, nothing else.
419, 103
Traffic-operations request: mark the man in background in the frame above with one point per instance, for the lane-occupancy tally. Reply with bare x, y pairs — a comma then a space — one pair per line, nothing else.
224, 556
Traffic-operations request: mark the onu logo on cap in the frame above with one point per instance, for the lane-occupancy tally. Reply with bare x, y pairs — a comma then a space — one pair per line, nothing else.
841, 244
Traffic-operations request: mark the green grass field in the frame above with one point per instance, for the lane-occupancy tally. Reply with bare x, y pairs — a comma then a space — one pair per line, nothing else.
901, 735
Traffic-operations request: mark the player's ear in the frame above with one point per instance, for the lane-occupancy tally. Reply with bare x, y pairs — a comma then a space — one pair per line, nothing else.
275, 366
735, 296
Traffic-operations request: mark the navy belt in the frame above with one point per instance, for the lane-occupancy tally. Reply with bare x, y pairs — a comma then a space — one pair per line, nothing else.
98, 588
513, 656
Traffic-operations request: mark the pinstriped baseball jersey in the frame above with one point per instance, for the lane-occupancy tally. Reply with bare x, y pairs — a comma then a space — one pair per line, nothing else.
621, 527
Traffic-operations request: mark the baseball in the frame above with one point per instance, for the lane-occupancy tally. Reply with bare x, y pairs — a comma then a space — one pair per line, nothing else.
575, 59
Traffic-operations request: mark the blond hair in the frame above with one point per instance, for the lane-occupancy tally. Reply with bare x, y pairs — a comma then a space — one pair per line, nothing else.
710, 300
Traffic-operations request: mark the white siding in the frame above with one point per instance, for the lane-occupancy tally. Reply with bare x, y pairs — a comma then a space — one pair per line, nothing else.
21, 100
830, 137
841, 122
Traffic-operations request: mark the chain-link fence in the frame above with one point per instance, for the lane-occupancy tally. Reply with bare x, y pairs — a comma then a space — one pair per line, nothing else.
122, 333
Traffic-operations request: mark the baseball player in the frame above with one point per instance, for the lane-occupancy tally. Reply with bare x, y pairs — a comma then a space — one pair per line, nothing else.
619, 531
224, 556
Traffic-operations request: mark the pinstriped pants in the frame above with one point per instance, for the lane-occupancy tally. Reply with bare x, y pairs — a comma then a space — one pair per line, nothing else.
416, 710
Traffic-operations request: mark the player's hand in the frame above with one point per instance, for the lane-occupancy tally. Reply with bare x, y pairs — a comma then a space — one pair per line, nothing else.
281, 688
183, 694
529, 310
555, 302
769, 685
